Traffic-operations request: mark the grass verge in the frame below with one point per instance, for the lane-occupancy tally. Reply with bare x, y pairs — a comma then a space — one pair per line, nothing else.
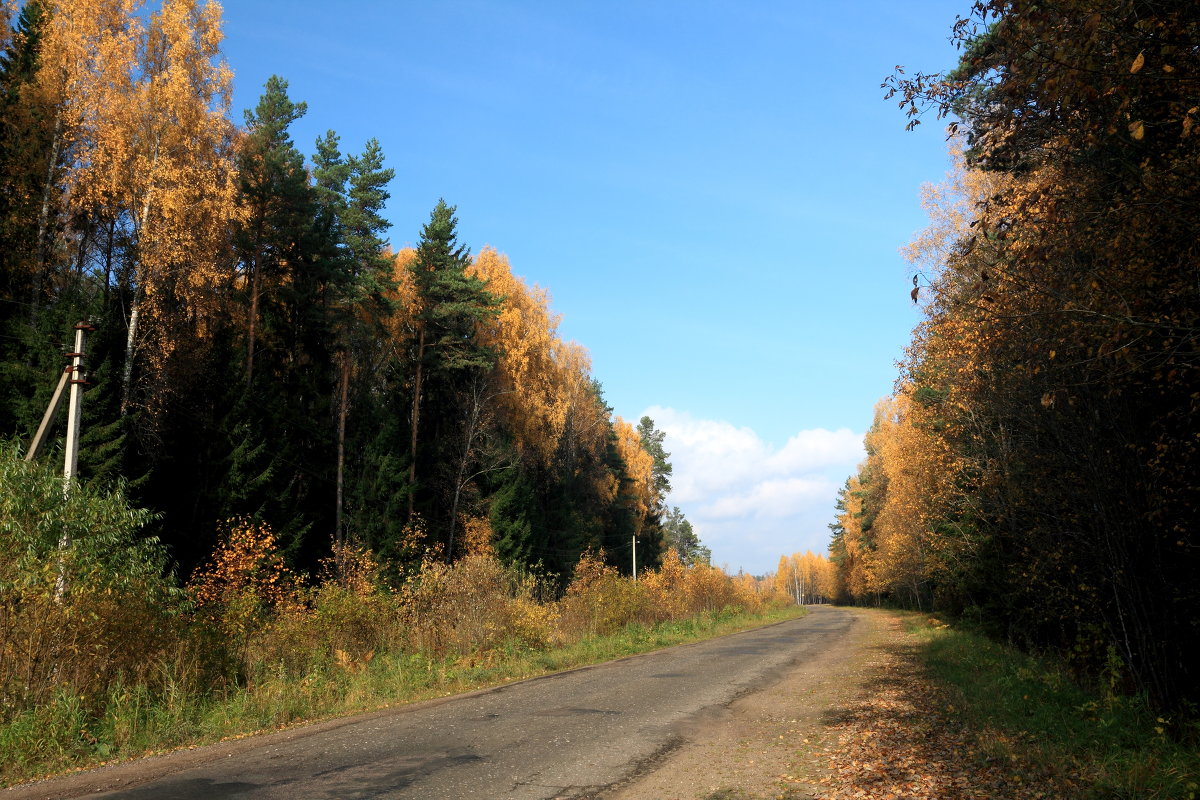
1028, 709
60, 736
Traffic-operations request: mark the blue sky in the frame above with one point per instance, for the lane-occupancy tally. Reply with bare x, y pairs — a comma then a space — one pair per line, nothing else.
713, 192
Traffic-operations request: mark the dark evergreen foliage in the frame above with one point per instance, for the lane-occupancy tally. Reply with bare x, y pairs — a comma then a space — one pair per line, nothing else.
447, 360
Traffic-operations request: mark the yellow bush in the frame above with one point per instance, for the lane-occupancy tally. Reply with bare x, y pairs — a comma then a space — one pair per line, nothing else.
707, 589
665, 600
477, 536
598, 600
476, 604
246, 568
243, 588
530, 623
747, 595
344, 621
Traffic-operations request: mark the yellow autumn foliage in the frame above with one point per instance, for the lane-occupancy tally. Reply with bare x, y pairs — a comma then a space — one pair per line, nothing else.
143, 104
805, 578
534, 391
639, 467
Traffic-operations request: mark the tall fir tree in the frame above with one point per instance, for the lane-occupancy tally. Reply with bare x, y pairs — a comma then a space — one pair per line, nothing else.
447, 358
29, 201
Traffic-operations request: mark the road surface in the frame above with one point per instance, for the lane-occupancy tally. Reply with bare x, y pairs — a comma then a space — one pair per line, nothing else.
574, 734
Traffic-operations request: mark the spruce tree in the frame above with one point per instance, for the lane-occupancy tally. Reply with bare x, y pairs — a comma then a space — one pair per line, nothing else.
360, 310
518, 525
447, 359
25, 155
29, 356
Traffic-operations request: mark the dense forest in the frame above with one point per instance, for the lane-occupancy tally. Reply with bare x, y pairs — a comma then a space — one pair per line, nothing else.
1035, 470
260, 352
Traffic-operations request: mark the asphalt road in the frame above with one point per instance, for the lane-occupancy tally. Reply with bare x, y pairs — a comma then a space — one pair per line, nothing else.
568, 735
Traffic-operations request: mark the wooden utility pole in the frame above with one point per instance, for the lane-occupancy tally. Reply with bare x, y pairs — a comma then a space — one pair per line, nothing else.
43, 431
75, 405
416, 418
72, 376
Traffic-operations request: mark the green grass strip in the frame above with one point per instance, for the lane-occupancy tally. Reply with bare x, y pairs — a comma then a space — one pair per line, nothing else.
1115, 743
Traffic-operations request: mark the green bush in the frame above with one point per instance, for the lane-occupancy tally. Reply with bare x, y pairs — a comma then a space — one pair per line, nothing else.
84, 599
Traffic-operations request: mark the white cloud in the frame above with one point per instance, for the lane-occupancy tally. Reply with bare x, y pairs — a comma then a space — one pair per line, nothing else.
816, 449
749, 501
770, 499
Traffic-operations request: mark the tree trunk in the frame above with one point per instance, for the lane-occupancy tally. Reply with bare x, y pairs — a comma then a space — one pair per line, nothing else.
343, 408
254, 284
472, 427
44, 223
130, 336
85, 239
108, 260
416, 417
136, 304
454, 511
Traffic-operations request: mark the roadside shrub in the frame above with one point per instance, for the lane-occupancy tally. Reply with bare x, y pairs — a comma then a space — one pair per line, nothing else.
598, 600
664, 590
748, 596
529, 623
474, 605
83, 597
239, 592
349, 617
708, 589
354, 612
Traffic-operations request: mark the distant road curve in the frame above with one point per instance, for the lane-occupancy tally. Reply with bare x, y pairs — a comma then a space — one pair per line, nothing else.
568, 735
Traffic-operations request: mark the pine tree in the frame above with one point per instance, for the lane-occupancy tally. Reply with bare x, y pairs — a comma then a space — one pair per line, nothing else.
682, 538
268, 454
652, 442
25, 154
30, 164
359, 312
363, 226
277, 203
